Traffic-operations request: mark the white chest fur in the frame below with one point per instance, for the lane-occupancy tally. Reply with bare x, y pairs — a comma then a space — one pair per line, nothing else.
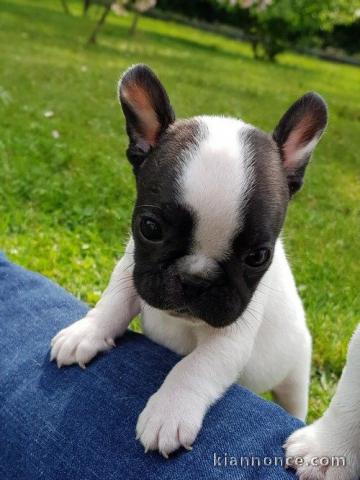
282, 342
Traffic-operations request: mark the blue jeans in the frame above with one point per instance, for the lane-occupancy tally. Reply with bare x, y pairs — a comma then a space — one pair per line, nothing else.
79, 425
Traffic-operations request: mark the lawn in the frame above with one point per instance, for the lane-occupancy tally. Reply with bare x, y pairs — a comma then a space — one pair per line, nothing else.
66, 188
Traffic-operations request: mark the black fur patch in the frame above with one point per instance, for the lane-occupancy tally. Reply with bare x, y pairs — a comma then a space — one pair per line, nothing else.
155, 275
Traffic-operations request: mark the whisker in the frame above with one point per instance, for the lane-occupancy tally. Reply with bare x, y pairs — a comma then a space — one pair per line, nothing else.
270, 288
248, 311
254, 311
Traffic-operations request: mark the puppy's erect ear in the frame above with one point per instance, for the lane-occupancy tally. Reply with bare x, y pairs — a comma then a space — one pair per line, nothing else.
147, 110
297, 134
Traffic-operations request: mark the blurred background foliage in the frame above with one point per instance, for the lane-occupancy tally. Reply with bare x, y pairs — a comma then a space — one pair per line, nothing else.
274, 25
271, 26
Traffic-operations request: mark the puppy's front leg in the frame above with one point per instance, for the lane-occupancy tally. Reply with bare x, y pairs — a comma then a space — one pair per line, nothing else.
174, 414
95, 333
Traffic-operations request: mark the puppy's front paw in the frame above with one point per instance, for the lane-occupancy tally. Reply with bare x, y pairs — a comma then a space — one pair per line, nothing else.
79, 343
169, 421
319, 453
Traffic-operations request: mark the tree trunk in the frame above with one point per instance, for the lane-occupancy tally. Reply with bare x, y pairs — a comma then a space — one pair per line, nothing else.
86, 6
254, 46
134, 23
92, 38
65, 7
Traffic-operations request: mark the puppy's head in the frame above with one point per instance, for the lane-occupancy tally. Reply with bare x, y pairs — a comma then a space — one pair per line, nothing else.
212, 194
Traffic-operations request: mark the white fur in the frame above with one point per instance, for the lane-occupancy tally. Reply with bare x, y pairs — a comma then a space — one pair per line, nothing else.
215, 182
337, 433
267, 348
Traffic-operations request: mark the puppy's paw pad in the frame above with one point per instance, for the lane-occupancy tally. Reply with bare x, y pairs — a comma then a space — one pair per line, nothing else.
79, 343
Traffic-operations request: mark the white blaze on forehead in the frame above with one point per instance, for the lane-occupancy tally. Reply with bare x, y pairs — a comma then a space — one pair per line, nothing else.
215, 182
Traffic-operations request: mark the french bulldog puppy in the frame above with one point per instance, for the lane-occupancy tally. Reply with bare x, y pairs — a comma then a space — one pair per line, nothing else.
337, 433
205, 265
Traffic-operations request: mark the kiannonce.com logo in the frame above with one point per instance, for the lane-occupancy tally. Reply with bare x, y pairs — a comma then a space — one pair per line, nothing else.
227, 460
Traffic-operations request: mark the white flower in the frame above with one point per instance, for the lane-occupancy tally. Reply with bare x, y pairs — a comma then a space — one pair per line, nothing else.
144, 5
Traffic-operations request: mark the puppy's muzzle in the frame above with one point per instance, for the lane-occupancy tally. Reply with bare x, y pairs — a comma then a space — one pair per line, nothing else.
198, 272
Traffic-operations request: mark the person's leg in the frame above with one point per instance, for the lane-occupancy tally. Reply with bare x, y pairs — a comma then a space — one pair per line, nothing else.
75, 424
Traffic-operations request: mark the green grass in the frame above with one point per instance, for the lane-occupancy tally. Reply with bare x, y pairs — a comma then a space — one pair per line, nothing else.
65, 203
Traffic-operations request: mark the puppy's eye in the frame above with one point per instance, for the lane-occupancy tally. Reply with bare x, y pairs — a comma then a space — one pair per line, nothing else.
150, 229
258, 257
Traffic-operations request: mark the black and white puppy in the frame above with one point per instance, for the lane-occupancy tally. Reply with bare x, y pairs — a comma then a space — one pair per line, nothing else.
205, 265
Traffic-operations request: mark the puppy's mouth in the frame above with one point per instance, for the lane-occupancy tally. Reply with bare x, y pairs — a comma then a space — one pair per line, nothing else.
218, 307
181, 312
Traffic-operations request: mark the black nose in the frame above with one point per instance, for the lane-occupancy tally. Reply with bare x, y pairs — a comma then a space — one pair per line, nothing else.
194, 282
